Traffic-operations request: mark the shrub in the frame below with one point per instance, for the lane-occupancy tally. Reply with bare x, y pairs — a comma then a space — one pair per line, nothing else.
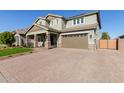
7, 38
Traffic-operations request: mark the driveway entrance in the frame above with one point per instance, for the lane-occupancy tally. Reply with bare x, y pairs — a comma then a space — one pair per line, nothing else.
65, 65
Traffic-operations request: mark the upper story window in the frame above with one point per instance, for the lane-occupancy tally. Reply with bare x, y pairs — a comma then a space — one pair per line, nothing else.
57, 21
78, 21
74, 21
51, 22
82, 20
91, 36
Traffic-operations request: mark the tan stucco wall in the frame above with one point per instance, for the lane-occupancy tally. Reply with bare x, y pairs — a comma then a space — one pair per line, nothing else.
97, 34
59, 40
21, 37
91, 19
42, 21
19, 40
91, 40
92, 47
121, 44
58, 25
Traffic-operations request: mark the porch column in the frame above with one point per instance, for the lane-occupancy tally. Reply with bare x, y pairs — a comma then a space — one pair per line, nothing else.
26, 42
35, 40
48, 43
16, 40
19, 40
59, 41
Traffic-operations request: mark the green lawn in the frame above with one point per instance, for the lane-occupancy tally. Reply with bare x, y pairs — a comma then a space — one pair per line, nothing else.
10, 51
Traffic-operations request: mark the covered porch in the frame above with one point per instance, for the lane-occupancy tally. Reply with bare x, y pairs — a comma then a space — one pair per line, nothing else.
43, 39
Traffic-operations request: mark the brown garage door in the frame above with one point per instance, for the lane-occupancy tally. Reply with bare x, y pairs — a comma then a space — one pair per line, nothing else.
75, 41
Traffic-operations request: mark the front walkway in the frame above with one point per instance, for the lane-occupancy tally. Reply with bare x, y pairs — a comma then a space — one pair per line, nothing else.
65, 65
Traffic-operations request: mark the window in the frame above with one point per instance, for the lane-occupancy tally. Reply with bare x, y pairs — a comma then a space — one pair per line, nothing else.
74, 21
51, 22
90, 36
82, 20
78, 21
57, 21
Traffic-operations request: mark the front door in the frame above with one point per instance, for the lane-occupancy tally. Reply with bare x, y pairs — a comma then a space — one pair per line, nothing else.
53, 39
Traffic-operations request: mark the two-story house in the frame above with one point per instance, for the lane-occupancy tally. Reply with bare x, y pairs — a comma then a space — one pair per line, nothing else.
81, 31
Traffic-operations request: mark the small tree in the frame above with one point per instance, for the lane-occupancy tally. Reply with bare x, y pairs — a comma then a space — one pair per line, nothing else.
7, 38
105, 35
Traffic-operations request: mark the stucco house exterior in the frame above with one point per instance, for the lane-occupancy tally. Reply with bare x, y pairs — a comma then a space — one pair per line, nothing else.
20, 37
121, 43
121, 37
81, 31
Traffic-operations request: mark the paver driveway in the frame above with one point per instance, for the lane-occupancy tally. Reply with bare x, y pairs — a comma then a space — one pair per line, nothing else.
65, 65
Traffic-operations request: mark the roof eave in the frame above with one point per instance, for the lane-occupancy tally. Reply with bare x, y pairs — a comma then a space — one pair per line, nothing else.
81, 15
78, 30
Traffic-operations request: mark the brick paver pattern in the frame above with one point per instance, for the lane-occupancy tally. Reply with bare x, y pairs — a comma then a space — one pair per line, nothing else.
65, 65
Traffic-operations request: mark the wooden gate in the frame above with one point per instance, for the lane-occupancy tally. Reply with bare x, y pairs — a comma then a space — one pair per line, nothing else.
108, 44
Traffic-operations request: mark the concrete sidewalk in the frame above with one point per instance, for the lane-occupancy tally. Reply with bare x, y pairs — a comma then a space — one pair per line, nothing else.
2, 79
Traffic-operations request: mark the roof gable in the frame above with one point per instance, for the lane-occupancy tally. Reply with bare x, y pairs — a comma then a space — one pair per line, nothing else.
35, 28
21, 31
53, 16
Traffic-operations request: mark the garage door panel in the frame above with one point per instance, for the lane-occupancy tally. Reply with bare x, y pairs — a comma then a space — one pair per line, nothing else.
75, 42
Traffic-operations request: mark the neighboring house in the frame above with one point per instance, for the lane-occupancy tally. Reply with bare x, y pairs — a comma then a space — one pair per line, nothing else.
121, 37
81, 31
20, 37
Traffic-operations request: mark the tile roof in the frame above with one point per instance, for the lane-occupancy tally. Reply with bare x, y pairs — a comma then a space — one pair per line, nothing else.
79, 28
70, 29
21, 31
83, 14
55, 15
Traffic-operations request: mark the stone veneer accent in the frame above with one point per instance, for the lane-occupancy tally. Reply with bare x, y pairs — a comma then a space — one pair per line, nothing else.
92, 47
48, 43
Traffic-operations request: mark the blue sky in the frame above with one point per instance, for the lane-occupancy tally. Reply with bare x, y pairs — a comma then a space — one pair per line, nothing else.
111, 21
